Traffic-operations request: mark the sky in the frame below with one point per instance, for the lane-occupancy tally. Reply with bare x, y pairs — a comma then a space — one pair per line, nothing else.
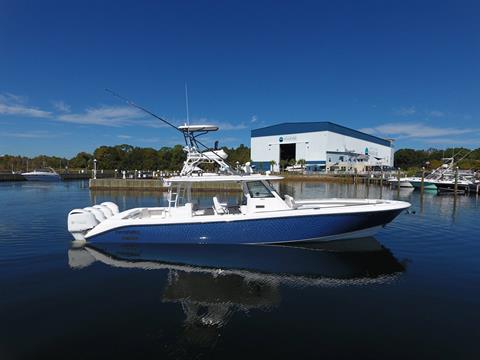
408, 70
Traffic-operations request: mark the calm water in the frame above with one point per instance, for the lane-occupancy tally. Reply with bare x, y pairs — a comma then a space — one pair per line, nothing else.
413, 291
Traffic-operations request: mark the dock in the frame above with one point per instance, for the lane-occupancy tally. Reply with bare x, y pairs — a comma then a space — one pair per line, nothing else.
155, 185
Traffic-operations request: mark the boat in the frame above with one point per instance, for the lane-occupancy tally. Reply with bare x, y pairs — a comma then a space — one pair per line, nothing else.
403, 181
416, 182
447, 183
46, 174
262, 217
443, 178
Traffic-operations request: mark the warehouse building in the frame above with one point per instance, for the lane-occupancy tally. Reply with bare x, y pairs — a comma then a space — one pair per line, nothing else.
320, 146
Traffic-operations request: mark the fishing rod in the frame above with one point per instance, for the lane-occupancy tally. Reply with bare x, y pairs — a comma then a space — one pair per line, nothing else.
131, 103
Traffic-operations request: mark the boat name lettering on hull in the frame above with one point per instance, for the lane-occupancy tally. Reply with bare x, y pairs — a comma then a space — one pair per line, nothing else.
128, 235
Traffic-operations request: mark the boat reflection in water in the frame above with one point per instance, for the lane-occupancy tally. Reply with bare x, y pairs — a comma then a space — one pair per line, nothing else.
212, 282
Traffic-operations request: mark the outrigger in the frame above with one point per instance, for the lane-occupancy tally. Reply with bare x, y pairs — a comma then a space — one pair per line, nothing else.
262, 217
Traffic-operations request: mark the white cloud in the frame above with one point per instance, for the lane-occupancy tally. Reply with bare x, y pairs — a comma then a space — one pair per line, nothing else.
61, 106
230, 126
254, 119
11, 104
106, 116
435, 113
31, 134
416, 130
124, 136
222, 125
368, 130
405, 111
450, 141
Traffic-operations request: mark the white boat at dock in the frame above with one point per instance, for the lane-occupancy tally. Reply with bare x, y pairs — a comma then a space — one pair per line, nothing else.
403, 182
46, 174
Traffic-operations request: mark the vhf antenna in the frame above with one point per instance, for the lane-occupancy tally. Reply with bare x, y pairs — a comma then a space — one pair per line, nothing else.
188, 113
186, 104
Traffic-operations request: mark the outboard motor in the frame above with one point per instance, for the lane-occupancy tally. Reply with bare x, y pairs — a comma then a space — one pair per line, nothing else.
105, 210
80, 221
112, 206
97, 213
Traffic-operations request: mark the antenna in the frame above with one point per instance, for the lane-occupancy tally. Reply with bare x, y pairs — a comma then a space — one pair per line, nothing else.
186, 103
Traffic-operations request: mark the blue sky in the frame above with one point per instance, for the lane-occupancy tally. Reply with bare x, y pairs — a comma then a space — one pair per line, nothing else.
402, 69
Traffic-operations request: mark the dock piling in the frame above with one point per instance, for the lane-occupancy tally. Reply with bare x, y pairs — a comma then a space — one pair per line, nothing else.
456, 182
422, 187
398, 183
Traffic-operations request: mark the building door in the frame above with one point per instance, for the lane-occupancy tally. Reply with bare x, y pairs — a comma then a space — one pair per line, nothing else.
287, 152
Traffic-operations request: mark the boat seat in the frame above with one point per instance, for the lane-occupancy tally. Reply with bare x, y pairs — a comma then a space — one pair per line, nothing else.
290, 202
144, 213
220, 208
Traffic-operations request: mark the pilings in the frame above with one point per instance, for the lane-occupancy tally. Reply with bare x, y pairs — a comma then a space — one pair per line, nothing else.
422, 184
456, 181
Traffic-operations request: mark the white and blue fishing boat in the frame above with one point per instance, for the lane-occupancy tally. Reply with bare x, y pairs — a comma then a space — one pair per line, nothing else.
47, 174
262, 217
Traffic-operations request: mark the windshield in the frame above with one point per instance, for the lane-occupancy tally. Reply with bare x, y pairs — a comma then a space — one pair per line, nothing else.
258, 190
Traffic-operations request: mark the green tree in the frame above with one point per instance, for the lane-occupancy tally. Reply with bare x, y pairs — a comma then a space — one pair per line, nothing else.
283, 164
272, 164
81, 160
302, 163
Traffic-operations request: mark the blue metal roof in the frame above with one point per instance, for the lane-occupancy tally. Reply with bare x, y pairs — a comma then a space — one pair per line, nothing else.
305, 127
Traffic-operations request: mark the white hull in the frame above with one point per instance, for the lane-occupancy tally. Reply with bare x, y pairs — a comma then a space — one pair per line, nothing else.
404, 183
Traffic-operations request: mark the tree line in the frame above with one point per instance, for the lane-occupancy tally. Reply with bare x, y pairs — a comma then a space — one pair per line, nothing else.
432, 158
128, 157
120, 157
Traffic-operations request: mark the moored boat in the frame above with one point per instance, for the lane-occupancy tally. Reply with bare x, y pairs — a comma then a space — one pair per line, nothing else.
47, 174
416, 182
262, 217
402, 182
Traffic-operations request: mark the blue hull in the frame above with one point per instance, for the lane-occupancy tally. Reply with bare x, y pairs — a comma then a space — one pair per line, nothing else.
49, 178
258, 231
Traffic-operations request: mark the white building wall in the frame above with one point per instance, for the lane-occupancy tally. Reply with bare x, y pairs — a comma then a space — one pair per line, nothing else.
343, 143
313, 146
310, 146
